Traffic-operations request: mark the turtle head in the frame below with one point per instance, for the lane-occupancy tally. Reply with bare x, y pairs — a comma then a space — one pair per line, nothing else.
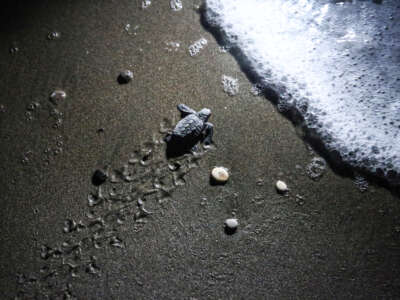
204, 114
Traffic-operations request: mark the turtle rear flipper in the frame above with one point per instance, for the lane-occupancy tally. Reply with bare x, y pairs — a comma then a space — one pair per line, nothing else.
208, 133
195, 149
185, 110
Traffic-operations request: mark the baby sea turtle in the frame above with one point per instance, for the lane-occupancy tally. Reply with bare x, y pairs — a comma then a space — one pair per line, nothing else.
190, 130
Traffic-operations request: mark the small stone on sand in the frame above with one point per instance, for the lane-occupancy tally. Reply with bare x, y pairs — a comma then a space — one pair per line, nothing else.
231, 225
57, 96
125, 77
281, 186
220, 174
99, 177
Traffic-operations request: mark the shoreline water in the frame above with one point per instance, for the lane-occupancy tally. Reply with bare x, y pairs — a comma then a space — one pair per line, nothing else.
317, 112
325, 239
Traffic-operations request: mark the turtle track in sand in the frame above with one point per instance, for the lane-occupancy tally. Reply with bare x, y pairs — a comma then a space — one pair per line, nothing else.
132, 195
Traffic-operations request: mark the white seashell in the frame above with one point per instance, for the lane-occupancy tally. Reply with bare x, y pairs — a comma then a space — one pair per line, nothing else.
220, 174
231, 223
281, 186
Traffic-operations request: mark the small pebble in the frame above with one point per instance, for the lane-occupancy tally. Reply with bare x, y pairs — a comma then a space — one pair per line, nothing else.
54, 35
281, 186
57, 96
99, 177
14, 50
220, 174
125, 77
231, 225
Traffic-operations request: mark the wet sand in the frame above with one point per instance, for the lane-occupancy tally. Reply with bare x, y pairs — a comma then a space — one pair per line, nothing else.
335, 243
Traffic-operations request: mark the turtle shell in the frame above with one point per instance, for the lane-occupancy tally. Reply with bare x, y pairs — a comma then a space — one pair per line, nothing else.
190, 126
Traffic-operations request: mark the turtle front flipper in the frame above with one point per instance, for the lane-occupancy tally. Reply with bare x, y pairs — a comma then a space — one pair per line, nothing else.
185, 110
208, 133
168, 138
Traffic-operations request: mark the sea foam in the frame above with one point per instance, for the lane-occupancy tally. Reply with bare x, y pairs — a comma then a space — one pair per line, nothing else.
335, 63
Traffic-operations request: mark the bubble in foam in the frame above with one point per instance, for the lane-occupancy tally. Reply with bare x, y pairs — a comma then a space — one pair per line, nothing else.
316, 168
337, 61
230, 85
196, 47
146, 4
176, 5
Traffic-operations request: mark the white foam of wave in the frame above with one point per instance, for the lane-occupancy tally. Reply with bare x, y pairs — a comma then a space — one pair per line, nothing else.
336, 63
230, 85
197, 46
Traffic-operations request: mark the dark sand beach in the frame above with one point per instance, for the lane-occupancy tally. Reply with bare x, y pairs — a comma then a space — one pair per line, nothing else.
325, 240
